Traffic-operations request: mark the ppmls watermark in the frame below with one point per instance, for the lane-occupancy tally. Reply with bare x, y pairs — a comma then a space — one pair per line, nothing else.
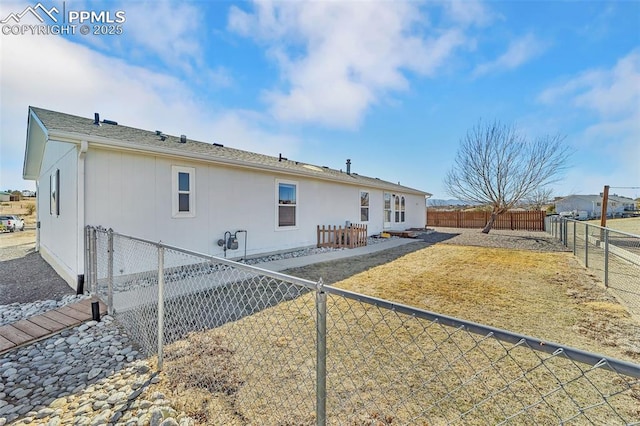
63, 21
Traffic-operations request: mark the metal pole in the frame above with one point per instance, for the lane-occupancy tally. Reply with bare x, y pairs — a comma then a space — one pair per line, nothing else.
94, 260
110, 271
321, 356
160, 307
566, 233
606, 257
87, 259
586, 245
574, 238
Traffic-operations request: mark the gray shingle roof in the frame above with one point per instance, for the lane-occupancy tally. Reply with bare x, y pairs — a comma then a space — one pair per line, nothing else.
150, 141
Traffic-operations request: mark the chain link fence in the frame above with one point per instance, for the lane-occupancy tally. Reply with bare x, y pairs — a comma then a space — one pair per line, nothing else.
614, 256
250, 346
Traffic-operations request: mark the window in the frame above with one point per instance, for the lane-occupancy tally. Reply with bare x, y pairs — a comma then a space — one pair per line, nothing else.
183, 203
54, 199
287, 204
401, 209
364, 206
397, 206
387, 207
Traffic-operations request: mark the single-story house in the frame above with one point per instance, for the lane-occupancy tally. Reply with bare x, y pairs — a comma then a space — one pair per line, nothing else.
188, 193
5, 196
592, 204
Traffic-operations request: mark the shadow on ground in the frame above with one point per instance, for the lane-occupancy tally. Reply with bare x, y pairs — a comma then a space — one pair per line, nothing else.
337, 270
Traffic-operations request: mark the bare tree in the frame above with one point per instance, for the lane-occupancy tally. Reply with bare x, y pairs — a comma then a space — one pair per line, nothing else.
538, 198
498, 166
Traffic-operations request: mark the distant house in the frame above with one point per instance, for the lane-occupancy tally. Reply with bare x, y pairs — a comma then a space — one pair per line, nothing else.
188, 193
592, 204
27, 193
5, 196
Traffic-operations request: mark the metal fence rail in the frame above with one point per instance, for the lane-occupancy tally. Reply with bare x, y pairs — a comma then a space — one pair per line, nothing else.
266, 348
614, 256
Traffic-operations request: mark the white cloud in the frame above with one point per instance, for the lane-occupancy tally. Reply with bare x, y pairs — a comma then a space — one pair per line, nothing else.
612, 96
468, 12
53, 73
337, 59
609, 92
171, 31
519, 52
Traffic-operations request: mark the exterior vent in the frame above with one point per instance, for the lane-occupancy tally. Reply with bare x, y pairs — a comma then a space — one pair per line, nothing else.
348, 166
218, 145
280, 158
183, 138
96, 119
158, 132
113, 123
163, 137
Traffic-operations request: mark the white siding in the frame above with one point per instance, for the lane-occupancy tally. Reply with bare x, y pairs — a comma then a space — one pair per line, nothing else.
58, 234
132, 194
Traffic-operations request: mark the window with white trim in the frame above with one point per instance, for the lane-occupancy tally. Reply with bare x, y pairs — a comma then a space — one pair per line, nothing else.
287, 208
54, 192
397, 206
364, 206
402, 204
387, 207
183, 191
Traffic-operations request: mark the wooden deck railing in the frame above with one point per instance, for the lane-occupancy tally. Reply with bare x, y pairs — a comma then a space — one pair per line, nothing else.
338, 236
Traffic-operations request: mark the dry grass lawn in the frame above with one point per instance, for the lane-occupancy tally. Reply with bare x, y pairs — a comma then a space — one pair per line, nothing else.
385, 368
630, 225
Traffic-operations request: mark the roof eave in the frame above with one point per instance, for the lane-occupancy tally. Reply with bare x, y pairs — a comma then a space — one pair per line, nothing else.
37, 137
109, 143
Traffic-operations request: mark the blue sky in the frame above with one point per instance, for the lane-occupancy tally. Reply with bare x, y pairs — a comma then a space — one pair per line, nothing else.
393, 86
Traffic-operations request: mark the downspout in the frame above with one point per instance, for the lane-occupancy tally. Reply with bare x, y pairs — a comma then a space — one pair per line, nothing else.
80, 183
426, 211
38, 215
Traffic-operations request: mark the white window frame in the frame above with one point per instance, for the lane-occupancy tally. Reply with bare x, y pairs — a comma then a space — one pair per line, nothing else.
54, 193
175, 192
296, 205
387, 212
368, 206
396, 208
402, 208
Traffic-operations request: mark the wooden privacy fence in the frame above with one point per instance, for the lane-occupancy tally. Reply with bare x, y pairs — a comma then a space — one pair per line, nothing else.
517, 220
338, 237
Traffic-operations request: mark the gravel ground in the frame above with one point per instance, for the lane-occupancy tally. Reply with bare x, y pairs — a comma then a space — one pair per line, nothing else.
26, 277
518, 240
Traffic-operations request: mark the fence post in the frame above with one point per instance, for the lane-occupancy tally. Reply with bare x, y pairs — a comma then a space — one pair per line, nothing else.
606, 257
574, 238
93, 237
110, 271
87, 258
321, 356
160, 307
586, 245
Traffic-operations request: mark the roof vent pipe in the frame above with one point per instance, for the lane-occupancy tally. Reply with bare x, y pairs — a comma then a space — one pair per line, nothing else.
280, 158
348, 166
183, 138
96, 119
